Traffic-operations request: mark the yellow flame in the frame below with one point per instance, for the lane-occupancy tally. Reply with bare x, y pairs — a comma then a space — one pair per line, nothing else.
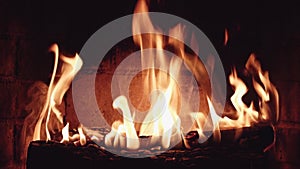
245, 115
132, 141
82, 138
161, 129
264, 91
65, 134
57, 88
207, 125
240, 90
163, 91
158, 84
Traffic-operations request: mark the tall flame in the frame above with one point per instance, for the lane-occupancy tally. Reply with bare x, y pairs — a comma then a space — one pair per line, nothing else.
246, 115
266, 91
163, 92
57, 88
158, 85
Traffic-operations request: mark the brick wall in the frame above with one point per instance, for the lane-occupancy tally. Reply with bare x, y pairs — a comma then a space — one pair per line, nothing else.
281, 42
17, 72
24, 59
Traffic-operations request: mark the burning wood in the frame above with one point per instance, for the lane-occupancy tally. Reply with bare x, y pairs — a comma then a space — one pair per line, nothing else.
229, 153
171, 118
255, 138
46, 113
169, 128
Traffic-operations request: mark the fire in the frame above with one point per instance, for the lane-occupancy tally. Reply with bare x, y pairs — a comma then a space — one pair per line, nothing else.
158, 85
164, 95
65, 134
160, 95
247, 114
50, 117
226, 37
264, 91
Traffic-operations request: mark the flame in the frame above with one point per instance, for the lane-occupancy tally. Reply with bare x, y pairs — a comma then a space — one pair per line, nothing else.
162, 123
65, 134
164, 95
226, 37
82, 138
129, 130
158, 85
58, 86
265, 91
206, 126
247, 114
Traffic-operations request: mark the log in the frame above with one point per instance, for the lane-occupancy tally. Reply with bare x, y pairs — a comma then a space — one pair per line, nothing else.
246, 152
255, 138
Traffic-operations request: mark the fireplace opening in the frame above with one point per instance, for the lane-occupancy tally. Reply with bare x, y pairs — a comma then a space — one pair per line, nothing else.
257, 128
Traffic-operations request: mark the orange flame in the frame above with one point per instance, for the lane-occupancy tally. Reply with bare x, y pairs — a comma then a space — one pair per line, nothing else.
266, 91
162, 123
158, 85
82, 138
57, 88
247, 114
226, 37
164, 93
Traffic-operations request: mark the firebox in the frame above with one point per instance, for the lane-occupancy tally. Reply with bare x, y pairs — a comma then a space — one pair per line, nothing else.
159, 84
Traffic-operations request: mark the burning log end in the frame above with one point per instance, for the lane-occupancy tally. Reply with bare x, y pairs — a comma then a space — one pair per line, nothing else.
256, 138
191, 139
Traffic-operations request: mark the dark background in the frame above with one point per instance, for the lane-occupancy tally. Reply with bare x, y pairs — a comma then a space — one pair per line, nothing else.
270, 29
263, 27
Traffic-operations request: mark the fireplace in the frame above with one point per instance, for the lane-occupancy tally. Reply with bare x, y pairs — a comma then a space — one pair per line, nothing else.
236, 32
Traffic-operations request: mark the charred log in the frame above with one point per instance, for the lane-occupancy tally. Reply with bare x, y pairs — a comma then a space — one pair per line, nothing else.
245, 152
